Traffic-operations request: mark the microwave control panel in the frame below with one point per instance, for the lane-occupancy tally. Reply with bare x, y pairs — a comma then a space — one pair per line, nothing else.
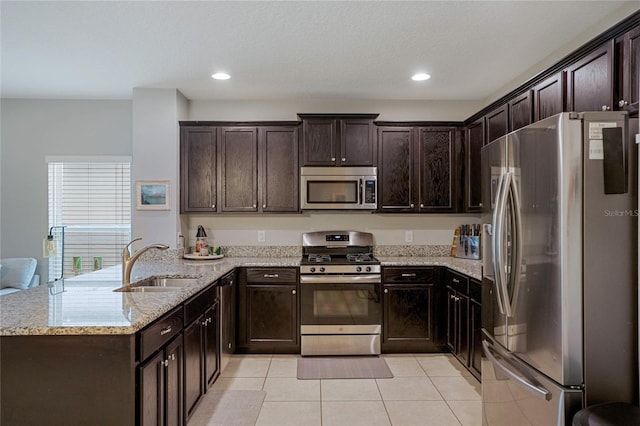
370, 191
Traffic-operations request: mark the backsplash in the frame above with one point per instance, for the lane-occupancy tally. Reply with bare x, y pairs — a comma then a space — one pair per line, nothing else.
171, 255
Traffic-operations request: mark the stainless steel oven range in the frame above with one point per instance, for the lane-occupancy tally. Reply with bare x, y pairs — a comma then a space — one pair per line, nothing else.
340, 286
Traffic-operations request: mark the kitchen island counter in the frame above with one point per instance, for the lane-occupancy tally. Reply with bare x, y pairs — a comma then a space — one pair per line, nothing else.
89, 306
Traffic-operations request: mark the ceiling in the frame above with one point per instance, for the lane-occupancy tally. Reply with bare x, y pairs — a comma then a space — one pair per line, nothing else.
283, 49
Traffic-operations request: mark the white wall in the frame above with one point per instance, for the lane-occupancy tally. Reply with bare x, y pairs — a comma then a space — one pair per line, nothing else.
34, 129
389, 110
156, 156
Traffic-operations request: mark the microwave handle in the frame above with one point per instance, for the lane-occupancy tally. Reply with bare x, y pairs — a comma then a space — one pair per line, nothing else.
360, 193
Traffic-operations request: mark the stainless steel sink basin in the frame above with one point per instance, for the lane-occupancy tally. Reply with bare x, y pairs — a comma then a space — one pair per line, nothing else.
157, 284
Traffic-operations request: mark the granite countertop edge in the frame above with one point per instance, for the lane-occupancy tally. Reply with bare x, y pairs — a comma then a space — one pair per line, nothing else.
29, 312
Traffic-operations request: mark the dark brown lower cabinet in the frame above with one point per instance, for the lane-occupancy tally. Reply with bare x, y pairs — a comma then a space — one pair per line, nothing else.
268, 311
475, 335
457, 325
161, 390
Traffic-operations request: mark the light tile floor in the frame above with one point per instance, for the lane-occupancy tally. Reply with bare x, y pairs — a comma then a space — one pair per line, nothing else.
427, 389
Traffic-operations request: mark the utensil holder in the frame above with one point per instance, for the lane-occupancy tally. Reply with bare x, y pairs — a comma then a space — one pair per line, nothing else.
468, 247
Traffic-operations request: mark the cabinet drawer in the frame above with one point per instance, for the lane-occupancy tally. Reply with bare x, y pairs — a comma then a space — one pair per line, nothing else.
475, 290
458, 282
272, 275
159, 332
199, 303
408, 275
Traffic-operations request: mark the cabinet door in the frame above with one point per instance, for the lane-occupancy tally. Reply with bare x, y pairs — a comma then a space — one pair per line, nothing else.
549, 96
211, 345
280, 172
193, 365
198, 169
520, 111
473, 144
462, 343
590, 81
497, 123
319, 142
408, 315
357, 147
475, 338
627, 75
272, 315
152, 395
174, 380
396, 178
452, 321
436, 148
239, 168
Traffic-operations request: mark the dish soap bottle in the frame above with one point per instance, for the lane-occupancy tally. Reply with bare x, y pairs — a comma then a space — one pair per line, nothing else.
200, 242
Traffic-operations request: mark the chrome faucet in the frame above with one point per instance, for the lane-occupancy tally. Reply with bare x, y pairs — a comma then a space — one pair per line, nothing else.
128, 260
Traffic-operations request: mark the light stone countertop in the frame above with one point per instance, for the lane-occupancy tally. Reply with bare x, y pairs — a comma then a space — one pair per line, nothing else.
90, 306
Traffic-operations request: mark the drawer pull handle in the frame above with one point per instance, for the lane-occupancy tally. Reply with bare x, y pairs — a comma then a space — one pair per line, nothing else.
165, 362
293, 292
455, 280
270, 275
409, 275
165, 330
386, 291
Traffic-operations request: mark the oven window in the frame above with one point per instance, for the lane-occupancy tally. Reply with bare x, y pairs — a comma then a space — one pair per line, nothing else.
333, 192
341, 303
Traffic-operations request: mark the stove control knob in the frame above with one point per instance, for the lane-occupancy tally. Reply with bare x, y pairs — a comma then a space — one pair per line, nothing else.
358, 269
368, 268
322, 269
312, 269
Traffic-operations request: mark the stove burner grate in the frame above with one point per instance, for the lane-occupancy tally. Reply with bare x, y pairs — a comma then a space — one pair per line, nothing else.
319, 258
360, 257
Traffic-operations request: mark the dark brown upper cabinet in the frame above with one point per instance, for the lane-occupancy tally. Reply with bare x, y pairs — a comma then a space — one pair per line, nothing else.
418, 169
472, 170
627, 69
198, 169
497, 123
239, 169
338, 140
590, 81
520, 111
279, 174
396, 183
438, 149
549, 96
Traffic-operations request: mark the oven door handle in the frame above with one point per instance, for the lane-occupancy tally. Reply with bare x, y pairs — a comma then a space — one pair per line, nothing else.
340, 279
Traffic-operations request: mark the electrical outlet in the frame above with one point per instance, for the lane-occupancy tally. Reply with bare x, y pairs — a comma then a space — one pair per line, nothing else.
261, 237
408, 236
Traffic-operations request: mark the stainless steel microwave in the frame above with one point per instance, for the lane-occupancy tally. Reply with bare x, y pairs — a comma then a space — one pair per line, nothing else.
338, 188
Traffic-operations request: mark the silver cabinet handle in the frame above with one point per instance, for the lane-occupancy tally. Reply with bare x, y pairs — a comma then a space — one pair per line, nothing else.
264, 206
213, 206
622, 103
606, 108
333, 158
452, 297
165, 362
409, 275
455, 280
344, 159
412, 205
386, 291
172, 357
293, 292
270, 275
229, 345
204, 323
254, 206
422, 206
165, 330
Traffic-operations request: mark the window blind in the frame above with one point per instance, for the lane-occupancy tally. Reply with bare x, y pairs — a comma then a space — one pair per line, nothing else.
92, 200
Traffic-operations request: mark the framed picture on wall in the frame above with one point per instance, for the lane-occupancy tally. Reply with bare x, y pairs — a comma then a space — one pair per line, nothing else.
152, 195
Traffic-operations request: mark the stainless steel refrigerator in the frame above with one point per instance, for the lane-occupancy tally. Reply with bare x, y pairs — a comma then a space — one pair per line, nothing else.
559, 289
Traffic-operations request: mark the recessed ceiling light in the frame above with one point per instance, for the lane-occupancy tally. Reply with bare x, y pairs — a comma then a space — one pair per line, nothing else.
420, 77
221, 76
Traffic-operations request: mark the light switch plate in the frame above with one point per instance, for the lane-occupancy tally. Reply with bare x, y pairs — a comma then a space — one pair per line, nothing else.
261, 237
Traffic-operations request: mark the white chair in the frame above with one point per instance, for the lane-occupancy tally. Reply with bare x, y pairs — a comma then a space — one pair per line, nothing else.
18, 274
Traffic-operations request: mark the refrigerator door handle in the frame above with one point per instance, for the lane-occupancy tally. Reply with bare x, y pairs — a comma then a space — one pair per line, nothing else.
516, 246
497, 243
537, 388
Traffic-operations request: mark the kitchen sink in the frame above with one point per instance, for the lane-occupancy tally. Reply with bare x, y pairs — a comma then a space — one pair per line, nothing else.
156, 284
